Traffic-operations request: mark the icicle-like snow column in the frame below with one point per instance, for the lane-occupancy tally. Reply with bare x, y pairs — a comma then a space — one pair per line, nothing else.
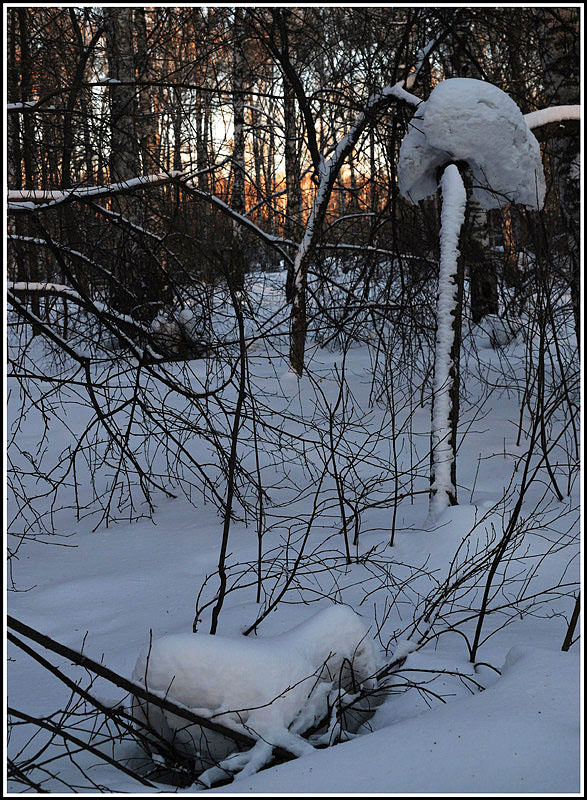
454, 200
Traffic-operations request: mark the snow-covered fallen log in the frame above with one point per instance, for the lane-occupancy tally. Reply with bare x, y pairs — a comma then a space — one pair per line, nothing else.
274, 688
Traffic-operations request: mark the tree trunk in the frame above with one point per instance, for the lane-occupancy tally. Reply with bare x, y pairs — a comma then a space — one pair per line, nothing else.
291, 150
13, 148
148, 136
237, 260
561, 54
482, 274
32, 269
476, 245
124, 155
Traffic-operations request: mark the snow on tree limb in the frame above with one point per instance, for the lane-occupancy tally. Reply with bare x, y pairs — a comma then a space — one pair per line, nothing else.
421, 57
328, 172
472, 121
25, 313
21, 199
28, 106
544, 116
27, 288
469, 121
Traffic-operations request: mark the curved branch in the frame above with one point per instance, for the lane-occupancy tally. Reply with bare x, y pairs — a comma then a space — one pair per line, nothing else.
544, 116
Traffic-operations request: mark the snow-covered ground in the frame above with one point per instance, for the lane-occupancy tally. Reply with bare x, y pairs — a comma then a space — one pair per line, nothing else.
508, 725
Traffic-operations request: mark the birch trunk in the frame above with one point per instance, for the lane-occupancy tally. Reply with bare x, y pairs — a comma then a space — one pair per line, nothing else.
124, 155
237, 262
483, 278
560, 35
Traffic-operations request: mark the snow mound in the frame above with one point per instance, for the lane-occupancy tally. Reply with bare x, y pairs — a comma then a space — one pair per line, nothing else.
176, 330
497, 332
273, 688
473, 121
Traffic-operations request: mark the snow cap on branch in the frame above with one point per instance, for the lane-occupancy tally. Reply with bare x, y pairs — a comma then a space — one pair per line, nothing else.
473, 121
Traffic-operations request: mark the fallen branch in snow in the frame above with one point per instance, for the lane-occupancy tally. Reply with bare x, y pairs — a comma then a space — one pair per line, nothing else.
146, 356
62, 732
306, 642
26, 289
47, 331
72, 254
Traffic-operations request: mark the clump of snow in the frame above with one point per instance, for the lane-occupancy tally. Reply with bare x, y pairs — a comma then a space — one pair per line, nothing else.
473, 121
272, 688
167, 332
190, 323
521, 736
172, 330
499, 331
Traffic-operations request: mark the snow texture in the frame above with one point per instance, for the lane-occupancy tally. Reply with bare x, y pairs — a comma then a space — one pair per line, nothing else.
27, 106
500, 331
272, 688
472, 121
519, 737
454, 200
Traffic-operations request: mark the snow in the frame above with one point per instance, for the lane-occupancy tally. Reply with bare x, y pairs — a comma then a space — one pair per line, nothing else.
454, 200
521, 735
102, 591
32, 286
15, 106
270, 687
499, 331
398, 90
472, 121
28, 105
544, 116
422, 53
66, 291
24, 197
